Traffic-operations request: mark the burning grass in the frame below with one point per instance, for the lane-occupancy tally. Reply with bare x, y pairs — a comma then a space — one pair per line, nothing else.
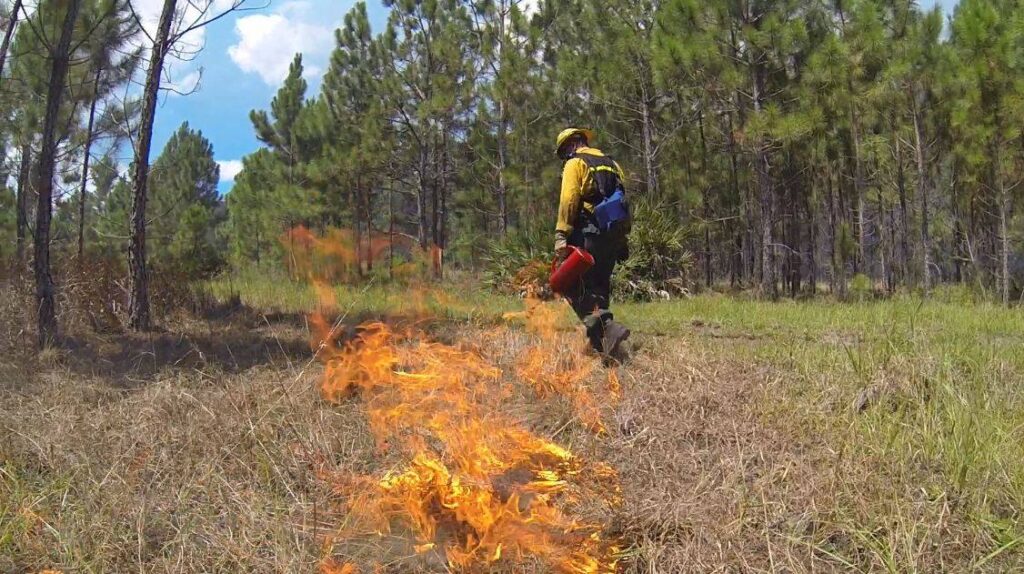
480, 489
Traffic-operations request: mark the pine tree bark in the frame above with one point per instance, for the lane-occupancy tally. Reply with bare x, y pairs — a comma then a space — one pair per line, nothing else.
138, 303
901, 187
502, 159
706, 206
922, 192
502, 121
647, 134
85, 164
24, 175
1004, 209
369, 229
861, 262
61, 59
421, 198
812, 240
858, 190
8, 34
958, 226
884, 266
762, 168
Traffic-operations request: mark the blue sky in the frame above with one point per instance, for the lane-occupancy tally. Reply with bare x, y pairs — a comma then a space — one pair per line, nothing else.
244, 60
240, 68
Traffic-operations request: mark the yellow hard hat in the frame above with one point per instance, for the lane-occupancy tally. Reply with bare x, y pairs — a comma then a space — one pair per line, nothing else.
569, 132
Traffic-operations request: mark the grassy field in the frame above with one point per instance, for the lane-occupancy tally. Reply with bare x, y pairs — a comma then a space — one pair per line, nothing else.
814, 436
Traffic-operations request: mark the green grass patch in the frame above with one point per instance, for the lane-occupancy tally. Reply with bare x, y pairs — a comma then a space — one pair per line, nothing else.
930, 395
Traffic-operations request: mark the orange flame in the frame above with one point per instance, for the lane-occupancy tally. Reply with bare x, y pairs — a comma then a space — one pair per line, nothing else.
558, 366
479, 488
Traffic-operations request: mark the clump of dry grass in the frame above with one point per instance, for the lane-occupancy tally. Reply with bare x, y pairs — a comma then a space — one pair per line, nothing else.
177, 462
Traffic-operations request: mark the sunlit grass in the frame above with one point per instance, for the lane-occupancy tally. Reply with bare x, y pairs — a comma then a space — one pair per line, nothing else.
456, 298
943, 421
939, 439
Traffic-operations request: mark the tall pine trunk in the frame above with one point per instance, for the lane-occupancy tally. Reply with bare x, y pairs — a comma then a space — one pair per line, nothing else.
85, 164
859, 192
138, 303
647, 129
706, 206
883, 264
762, 168
901, 188
922, 192
423, 189
8, 34
958, 226
1004, 232
502, 164
502, 123
24, 175
61, 59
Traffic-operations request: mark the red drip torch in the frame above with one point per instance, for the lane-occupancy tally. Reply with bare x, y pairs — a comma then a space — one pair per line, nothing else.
565, 276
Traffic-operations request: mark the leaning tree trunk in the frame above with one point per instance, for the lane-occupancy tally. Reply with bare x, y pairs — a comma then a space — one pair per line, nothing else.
85, 165
138, 303
8, 34
61, 56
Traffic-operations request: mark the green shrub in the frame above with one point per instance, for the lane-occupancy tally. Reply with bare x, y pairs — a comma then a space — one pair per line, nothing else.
659, 265
860, 286
506, 257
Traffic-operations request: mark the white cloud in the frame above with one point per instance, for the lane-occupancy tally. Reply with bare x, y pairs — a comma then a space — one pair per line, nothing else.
229, 169
181, 76
268, 42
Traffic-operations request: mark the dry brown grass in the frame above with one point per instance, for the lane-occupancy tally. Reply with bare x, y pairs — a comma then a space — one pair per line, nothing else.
202, 449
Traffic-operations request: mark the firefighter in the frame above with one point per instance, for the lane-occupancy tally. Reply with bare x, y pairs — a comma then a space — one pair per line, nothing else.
589, 180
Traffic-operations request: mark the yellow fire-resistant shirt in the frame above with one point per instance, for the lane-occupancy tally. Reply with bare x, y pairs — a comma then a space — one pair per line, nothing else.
577, 184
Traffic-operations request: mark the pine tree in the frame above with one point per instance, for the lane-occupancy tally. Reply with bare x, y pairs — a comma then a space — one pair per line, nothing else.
60, 57
987, 139
182, 229
111, 63
12, 22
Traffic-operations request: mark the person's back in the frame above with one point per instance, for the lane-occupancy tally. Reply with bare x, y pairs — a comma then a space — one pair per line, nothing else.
591, 181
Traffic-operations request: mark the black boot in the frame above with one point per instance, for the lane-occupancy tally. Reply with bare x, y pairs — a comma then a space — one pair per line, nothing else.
611, 342
595, 332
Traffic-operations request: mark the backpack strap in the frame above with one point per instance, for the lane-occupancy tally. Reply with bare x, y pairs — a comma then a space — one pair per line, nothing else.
603, 172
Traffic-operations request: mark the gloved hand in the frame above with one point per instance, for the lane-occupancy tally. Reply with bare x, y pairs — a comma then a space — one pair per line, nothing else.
561, 245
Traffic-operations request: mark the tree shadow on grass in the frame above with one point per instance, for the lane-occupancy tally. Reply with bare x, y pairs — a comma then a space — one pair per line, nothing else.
218, 339
213, 342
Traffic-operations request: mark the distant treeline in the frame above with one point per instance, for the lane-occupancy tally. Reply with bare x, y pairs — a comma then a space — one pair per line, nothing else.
797, 143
